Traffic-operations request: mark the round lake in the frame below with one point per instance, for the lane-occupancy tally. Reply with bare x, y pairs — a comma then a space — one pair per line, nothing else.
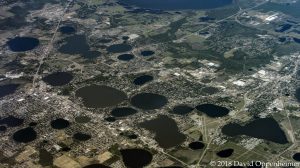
142, 79
11, 121
58, 78
60, 123
21, 44
25, 135
125, 57
136, 158
67, 30
212, 110
147, 53
196, 145
100, 96
78, 44
296, 157
119, 48
225, 153
148, 101
262, 128
167, 133
81, 136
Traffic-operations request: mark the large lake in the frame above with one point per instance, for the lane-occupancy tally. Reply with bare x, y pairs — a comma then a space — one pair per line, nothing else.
178, 4
262, 128
167, 133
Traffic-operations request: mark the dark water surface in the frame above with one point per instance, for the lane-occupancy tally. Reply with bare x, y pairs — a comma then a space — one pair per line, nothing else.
25, 135
282, 39
96, 165
225, 153
81, 136
196, 145
213, 110
8, 89
296, 157
58, 78
3, 128
33, 124
206, 19
11, 121
119, 48
142, 79
284, 28
148, 101
289, 9
110, 119
125, 57
77, 44
178, 4
100, 96
166, 131
21, 44
60, 123
297, 40
132, 136
136, 158
123, 111
67, 29
263, 128
182, 109
125, 38
129, 134
147, 53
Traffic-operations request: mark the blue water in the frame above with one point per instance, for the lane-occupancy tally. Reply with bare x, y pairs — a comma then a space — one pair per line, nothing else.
78, 44
142, 79
262, 128
21, 44
125, 57
67, 29
147, 53
284, 28
291, 9
178, 4
119, 48
296, 40
58, 78
8, 89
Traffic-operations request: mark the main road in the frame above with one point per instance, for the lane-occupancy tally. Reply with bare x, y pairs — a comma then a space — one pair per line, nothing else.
49, 46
